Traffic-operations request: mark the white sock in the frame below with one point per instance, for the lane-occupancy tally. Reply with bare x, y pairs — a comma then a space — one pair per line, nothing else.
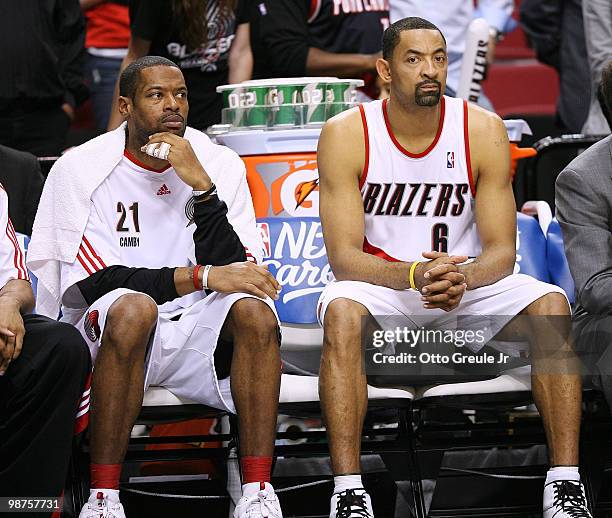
344, 482
112, 495
252, 488
562, 473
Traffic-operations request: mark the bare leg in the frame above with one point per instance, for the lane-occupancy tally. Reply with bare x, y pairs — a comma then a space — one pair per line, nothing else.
342, 384
255, 375
556, 381
118, 380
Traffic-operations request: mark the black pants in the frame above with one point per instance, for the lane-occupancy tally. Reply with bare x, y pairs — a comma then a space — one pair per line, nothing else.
39, 397
41, 131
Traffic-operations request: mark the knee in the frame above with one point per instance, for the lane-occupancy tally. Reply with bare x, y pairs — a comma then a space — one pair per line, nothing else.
130, 321
549, 305
256, 319
343, 324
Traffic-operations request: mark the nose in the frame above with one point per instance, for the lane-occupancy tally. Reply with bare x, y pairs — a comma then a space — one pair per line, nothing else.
429, 70
171, 103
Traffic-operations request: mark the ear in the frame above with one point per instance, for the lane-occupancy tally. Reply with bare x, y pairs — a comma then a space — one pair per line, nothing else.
383, 69
125, 106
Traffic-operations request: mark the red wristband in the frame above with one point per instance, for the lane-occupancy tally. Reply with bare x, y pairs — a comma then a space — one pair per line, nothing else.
196, 281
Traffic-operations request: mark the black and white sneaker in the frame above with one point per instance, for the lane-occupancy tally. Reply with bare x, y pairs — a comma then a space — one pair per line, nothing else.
351, 503
565, 499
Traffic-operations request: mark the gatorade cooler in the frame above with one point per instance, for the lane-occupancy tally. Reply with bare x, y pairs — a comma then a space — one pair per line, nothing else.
274, 125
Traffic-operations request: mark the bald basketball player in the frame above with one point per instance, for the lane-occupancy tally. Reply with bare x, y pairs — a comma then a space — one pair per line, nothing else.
423, 182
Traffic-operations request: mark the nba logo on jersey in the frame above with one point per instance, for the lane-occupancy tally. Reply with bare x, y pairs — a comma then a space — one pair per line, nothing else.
264, 232
450, 159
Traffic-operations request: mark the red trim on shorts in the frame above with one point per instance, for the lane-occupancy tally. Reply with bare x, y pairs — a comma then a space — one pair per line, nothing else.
366, 141
137, 162
466, 141
378, 252
402, 148
82, 415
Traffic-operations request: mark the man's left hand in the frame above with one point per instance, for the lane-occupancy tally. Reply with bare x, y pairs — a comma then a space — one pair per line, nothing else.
443, 291
183, 159
12, 332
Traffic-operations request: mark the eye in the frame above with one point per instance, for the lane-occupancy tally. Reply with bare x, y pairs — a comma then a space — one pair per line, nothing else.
440, 59
156, 95
412, 59
182, 95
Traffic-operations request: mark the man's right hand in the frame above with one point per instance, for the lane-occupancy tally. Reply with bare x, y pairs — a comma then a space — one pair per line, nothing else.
441, 266
12, 332
245, 277
439, 280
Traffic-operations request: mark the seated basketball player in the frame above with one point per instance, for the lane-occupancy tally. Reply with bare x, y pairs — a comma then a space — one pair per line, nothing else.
434, 176
44, 366
151, 265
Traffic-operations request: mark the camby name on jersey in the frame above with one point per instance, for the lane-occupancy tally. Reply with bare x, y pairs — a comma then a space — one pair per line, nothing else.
129, 242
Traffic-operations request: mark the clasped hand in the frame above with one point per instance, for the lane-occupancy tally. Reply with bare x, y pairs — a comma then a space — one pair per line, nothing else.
440, 282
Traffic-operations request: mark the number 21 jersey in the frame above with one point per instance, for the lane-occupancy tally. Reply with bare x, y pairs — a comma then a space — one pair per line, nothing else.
139, 217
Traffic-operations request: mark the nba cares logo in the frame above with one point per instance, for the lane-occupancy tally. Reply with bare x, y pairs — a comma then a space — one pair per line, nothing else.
298, 261
450, 159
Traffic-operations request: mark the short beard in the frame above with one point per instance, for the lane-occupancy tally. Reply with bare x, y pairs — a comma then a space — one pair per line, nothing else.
427, 99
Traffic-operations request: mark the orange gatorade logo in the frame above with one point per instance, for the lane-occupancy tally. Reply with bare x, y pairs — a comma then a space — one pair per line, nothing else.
303, 190
284, 185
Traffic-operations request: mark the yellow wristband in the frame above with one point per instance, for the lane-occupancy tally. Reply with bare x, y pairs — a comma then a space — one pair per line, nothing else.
412, 269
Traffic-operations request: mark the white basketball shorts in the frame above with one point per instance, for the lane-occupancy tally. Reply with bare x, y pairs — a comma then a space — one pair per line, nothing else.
181, 354
501, 301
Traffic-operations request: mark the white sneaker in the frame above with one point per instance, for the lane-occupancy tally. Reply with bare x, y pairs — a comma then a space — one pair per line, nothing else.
351, 503
263, 504
99, 506
565, 499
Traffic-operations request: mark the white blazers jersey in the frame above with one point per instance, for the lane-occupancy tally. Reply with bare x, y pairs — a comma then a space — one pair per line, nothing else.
418, 202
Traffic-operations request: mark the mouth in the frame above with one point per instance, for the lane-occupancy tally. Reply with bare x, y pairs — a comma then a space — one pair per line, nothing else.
431, 87
175, 122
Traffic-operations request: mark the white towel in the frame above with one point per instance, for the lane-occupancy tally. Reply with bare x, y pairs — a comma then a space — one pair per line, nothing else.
66, 199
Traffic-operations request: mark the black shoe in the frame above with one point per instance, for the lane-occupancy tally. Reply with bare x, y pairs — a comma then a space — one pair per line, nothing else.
565, 499
351, 503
